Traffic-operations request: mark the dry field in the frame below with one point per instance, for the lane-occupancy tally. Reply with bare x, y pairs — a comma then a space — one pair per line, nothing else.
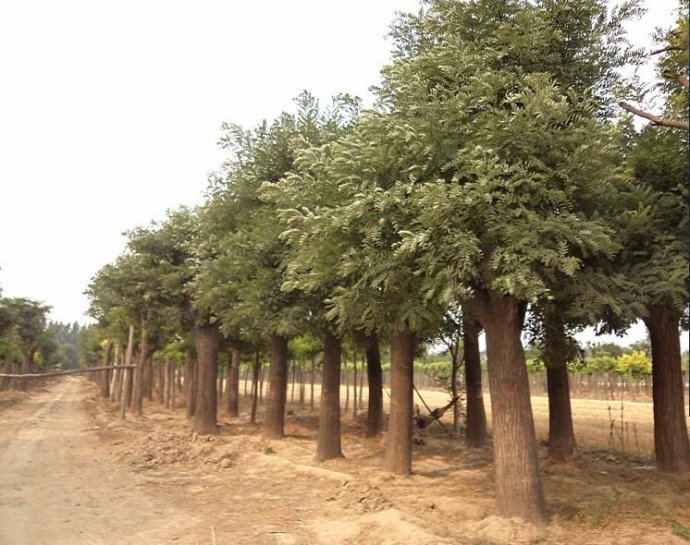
76, 474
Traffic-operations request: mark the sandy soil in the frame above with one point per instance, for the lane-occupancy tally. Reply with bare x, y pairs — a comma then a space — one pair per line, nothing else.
72, 472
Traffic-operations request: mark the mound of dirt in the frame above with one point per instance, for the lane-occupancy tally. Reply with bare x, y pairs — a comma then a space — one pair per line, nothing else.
387, 527
362, 498
499, 531
171, 448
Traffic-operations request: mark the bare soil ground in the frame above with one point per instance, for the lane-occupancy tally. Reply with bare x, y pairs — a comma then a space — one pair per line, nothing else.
71, 472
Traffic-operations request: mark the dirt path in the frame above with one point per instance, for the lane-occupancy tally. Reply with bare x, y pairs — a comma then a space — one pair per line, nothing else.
55, 488
72, 472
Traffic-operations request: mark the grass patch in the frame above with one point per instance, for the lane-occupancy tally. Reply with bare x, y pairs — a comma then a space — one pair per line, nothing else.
681, 531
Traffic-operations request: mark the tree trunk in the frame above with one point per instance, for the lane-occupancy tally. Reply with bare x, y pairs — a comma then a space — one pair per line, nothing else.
255, 385
162, 372
671, 444
354, 383
127, 376
455, 363
166, 382
7, 369
328, 442
116, 384
375, 380
277, 389
313, 375
475, 433
398, 456
219, 383
518, 484
207, 341
138, 395
104, 376
561, 432
174, 384
233, 406
26, 369
301, 383
148, 377
294, 378
190, 383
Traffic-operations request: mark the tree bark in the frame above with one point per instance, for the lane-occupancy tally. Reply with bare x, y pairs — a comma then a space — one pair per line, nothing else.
148, 376
27, 367
328, 441
561, 431
312, 376
277, 389
518, 484
255, 385
104, 376
127, 375
375, 381
655, 119
476, 431
233, 406
138, 395
207, 341
671, 444
354, 382
398, 456
116, 384
190, 383
7, 369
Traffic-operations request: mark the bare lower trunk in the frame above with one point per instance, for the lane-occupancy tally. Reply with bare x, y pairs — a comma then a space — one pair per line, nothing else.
190, 382
561, 431
7, 369
671, 444
207, 341
518, 484
255, 385
127, 375
398, 456
148, 377
354, 382
313, 375
475, 433
375, 379
167, 383
116, 384
277, 391
162, 381
104, 376
328, 442
138, 395
233, 406
27, 368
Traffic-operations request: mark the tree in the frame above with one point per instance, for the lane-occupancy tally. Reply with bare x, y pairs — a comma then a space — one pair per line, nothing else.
30, 324
672, 68
656, 261
512, 155
253, 257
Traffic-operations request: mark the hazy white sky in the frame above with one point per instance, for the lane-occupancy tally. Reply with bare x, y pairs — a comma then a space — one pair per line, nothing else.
110, 112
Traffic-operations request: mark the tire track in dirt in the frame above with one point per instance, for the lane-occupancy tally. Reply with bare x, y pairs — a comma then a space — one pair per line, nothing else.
55, 490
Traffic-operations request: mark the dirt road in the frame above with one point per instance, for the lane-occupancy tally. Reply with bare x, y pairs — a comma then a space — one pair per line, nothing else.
56, 489
72, 472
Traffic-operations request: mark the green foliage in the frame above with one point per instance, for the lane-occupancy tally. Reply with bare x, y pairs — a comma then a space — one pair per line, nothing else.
65, 352
250, 284
635, 363
29, 322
